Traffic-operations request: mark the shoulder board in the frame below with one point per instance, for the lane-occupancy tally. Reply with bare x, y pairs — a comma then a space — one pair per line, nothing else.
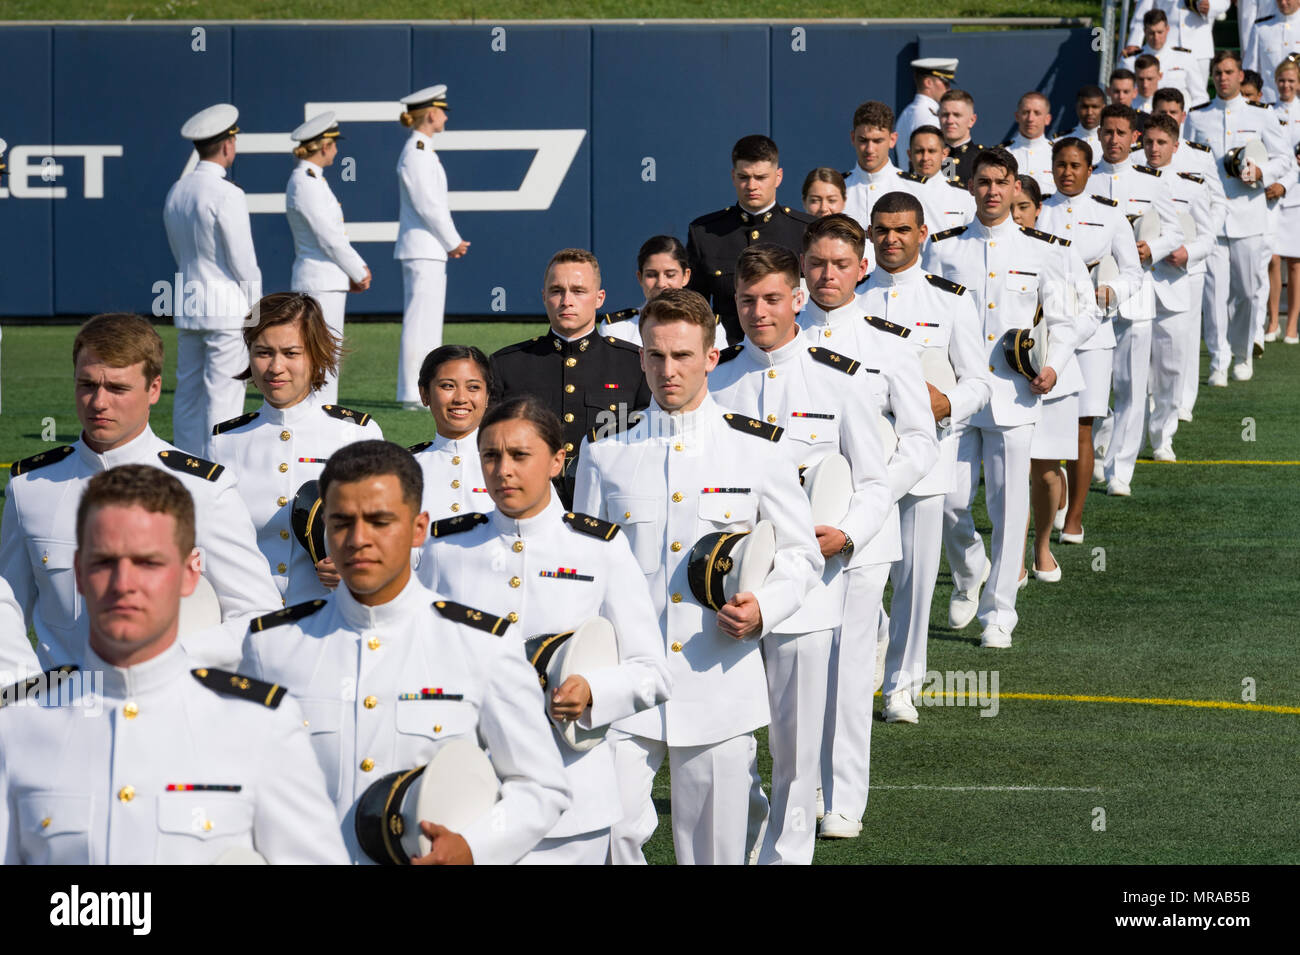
1257, 105
621, 425
1035, 234
908, 174
958, 184
847, 174
755, 427
1202, 106
287, 615
188, 463
1006, 143
20, 690
586, 524
729, 353
796, 215
36, 461
417, 448
228, 683
885, 325
419, 144
620, 343
1181, 49
1146, 170
711, 216
311, 174
345, 414
1135, 148
947, 233
619, 316
1191, 177
1061, 240
457, 525
1260, 20
1104, 201
233, 423
938, 281
834, 359
478, 619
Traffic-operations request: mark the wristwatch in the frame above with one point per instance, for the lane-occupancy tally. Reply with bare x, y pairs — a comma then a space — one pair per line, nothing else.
847, 550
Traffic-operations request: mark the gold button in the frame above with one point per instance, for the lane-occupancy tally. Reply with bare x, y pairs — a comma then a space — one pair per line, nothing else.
677, 497
771, 373
727, 514
281, 568
131, 711
613, 407
627, 513
570, 362
771, 419
993, 304
45, 823
283, 467
512, 617
568, 446
515, 581
373, 643
282, 500
990, 338
517, 546
437, 727
990, 367
126, 793
1069, 209
827, 333
991, 244
677, 446
284, 535
677, 647
754, 234
285, 436
569, 389
676, 546
370, 702
455, 483
677, 598
812, 437
455, 508
367, 764
207, 825
568, 417
993, 275
456, 459
718, 272
893, 295
45, 558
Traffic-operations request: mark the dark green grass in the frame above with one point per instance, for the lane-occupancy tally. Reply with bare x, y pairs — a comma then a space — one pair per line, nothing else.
1197, 594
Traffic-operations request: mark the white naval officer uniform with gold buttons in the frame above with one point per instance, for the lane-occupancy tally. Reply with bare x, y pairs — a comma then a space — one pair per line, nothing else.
274, 451
946, 202
937, 316
39, 537
862, 189
453, 476
825, 405
548, 574
164, 762
669, 480
922, 111
1034, 157
17, 658
382, 687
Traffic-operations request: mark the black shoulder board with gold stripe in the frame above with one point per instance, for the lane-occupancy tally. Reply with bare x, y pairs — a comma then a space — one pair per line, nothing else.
1104, 201
586, 524
753, 426
904, 174
1061, 240
623, 423
1006, 143
287, 615
457, 525
726, 354
188, 463
1202, 106
958, 184
1146, 170
619, 316
1195, 145
885, 325
228, 683
1257, 20
1257, 105
35, 683
938, 281
345, 414
1192, 177
947, 233
45, 458
834, 359
419, 144
230, 425
1182, 49
1035, 234
417, 448
310, 173
477, 619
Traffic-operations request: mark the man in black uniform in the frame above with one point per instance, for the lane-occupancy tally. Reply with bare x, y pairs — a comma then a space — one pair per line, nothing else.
956, 120
591, 381
716, 240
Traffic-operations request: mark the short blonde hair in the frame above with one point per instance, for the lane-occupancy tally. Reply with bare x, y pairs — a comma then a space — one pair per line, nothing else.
122, 339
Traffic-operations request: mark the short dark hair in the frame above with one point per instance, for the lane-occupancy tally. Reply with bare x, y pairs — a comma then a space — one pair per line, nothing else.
445, 353
1073, 142
892, 203
755, 148
837, 226
1222, 55
875, 114
322, 346
682, 305
207, 148
1120, 111
662, 245
765, 258
1090, 91
527, 408
1252, 78
1029, 186
1167, 94
367, 459
1145, 62
824, 174
142, 486
927, 130
1121, 74
996, 156
1165, 123
955, 95
1152, 17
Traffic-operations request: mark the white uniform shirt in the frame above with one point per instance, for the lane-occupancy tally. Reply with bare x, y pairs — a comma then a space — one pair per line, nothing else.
1187, 28
17, 658
1288, 116
424, 226
382, 687
1272, 40
1139, 190
546, 576
1178, 70
324, 259
824, 410
862, 189
39, 538
1193, 196
946, 202
1034, 157
211, 238
273, 452
936, 317
1225, 125
1090, 136
668, 481
922, 111
628, 329
99, 770
453, 476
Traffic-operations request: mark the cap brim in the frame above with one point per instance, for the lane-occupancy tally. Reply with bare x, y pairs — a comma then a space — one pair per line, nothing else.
937, 369
458, 788
307, 521
830, 490
754, 558
593, 646
200, 610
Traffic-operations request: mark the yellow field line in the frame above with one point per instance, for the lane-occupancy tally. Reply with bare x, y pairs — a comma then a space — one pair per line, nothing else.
1147, 701
1276, 464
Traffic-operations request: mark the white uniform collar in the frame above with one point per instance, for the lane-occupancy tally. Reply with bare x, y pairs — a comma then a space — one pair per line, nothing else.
1020, 140
1235, 101
304, 409
211, 168
778, 356
465, 445
1109, 168
129, 453
1003, 229
537, 526
914, 273
1060, 199
125, 683
817, 316
886, 171
683, 424
415, 134
393, 615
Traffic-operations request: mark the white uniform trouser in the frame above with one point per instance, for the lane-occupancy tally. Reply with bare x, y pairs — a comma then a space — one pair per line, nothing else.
1169, 343
1191, 381
424, 283
846, 740
1244, 257
920, 520
710, 797
332, 306
1132, 372
1005, 455
1260, 310
1214, 320
587, 848
207, 391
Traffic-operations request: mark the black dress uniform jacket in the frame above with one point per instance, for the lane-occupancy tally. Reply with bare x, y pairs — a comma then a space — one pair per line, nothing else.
593, 382
715, 242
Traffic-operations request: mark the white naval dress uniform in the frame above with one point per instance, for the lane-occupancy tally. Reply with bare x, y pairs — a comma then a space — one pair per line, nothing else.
17, 659
940, 316
803, 387
382, 687
922, 111
893, 375
1222, 126
1179, 70
946, 203
1090, 136
39, 537
862, 189
1034, 157
211, 239
1272, 40
1287, 238
453, 476
1009, 271
628, 328
548, 574
1187, 28
324, 260
164, 762
425, 234
1139, 190
274, 452
669, 480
